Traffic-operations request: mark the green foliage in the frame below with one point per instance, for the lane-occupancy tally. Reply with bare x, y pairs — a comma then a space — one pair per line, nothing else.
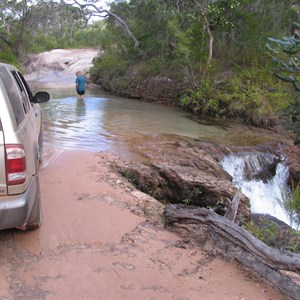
284, 53
220, 13
274, 235
255, 22
265, 234
148, 23
7, 56
202, 99
109, 72
42, 42
33, 26
292, 200
91, 36
244, 94
151, 67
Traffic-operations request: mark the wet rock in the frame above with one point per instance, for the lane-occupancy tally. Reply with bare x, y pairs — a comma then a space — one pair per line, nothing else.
184, 172
292, 154
262, 166
261, 161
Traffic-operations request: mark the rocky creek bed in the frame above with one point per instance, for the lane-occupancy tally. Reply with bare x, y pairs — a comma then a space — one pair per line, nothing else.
189, 172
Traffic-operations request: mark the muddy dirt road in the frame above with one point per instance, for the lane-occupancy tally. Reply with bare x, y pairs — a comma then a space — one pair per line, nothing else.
102, 239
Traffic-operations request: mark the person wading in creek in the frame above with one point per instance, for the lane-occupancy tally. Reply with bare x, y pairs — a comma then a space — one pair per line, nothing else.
80, 84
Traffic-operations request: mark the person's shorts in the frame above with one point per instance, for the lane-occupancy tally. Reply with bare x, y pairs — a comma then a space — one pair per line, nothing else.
80, 92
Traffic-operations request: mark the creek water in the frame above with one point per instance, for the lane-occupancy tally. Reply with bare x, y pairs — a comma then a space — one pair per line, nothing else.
102, 122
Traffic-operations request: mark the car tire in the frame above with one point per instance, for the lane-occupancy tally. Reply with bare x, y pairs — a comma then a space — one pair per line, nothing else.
36, 214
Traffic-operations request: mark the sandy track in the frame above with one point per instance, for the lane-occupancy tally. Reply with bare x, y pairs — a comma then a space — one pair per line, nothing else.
102, 239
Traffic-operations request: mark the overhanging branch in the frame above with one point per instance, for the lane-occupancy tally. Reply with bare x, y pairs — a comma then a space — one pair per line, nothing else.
104, 13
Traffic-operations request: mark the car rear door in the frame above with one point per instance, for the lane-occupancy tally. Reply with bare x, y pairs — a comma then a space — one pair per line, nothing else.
32, 123
33, 110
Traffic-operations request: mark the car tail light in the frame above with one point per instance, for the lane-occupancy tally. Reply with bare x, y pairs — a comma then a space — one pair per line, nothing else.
15, 164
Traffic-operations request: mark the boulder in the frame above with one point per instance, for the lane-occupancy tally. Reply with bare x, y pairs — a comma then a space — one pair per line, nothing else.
292, 154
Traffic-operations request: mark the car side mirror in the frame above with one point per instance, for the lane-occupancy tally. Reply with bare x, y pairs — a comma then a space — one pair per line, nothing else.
41, 97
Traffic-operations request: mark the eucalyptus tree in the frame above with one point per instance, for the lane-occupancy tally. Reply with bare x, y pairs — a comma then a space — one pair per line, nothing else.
198, 26
165, 29
255, 22
27, 25
55, 24
5, 26
13, 21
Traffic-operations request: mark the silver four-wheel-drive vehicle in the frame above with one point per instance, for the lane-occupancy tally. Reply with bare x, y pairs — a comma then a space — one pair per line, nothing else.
20, 151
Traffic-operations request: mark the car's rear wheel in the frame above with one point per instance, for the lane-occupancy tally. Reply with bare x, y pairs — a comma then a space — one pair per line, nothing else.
36, 215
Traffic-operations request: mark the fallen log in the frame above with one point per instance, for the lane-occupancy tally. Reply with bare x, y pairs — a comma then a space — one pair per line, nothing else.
238, 243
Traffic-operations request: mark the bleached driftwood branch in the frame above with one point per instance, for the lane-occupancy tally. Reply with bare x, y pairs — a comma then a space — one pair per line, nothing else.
243, 246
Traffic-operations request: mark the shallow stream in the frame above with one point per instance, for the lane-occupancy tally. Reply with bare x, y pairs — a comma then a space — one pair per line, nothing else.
102, 122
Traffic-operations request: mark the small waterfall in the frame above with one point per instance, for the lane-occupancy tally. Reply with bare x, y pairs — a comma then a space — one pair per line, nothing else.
262, 177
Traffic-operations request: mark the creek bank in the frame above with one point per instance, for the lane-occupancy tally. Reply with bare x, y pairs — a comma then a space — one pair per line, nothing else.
280, 268
184, 172
189, 172
158, 89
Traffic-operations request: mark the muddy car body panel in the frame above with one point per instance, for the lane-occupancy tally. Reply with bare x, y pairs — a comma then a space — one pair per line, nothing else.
20, 147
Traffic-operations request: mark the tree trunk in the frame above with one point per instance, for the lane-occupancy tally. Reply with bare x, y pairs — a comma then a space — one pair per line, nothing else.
210, 46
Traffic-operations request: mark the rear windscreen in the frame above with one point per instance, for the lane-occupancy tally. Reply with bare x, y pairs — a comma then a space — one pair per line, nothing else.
13, 95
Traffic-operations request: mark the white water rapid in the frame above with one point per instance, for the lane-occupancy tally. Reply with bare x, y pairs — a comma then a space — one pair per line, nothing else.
266, 196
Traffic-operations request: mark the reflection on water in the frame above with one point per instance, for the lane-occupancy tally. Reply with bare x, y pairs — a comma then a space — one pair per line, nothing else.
104, 122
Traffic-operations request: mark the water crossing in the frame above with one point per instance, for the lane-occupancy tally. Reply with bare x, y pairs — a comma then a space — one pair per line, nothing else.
103, 122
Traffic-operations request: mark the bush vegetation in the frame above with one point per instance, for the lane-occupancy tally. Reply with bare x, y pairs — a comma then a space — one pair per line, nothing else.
215, 50
275, 235
292, 200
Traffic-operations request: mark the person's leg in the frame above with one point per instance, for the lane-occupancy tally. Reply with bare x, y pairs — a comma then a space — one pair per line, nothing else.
80, 94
